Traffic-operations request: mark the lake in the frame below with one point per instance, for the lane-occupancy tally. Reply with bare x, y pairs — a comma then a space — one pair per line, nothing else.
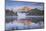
22, 26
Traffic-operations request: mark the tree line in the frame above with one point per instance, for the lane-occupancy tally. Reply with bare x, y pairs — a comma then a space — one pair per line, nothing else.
30, 12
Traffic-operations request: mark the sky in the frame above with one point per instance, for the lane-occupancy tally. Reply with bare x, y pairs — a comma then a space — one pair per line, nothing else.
14, 4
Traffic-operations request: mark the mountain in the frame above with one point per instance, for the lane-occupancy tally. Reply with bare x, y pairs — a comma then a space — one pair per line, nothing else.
22, 8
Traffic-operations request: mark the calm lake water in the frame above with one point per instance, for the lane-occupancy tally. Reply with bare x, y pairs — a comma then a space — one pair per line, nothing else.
21, 26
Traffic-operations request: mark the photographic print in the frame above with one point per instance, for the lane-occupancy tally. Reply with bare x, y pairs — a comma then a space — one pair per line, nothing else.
22, 15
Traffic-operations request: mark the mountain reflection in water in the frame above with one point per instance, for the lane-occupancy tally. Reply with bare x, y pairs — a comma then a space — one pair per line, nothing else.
23, 24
